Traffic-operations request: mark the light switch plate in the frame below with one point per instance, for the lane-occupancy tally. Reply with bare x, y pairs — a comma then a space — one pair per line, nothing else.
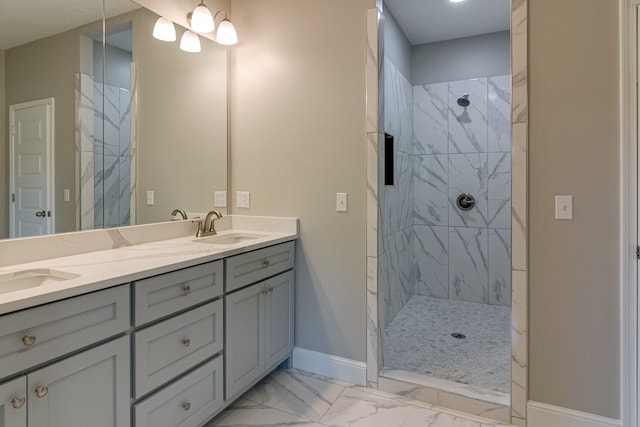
242, 199
341, 202
150, 198
220, 199
564, 207
67, 195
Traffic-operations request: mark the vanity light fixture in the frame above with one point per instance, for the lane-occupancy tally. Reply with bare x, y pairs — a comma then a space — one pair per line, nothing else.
226, 34
190, 42
201, 19
164, 30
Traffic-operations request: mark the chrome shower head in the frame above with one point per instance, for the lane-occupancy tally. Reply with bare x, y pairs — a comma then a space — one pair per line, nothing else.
463, 101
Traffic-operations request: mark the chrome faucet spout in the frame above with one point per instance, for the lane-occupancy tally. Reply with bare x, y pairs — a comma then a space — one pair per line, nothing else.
182, 213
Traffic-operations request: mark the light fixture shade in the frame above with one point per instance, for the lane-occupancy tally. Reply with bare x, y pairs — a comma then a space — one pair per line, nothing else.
164, 30
226, 33
190, 42
201, 20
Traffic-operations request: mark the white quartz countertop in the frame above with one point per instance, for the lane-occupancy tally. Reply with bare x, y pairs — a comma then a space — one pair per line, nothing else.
102, 269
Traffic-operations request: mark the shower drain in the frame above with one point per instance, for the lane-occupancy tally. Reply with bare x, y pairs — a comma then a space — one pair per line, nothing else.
458, 335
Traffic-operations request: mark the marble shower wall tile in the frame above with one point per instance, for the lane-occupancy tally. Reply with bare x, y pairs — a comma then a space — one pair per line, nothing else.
398, 199
468, 264
111, 191
124, 123
431, 261
98, 187
468, 174
87, 177
371, 69
111, 120
499, 190
468, 125
430, 190
398, 255
125, 191
499, 114
372, 320
430, 119
500, 267
398, 108
85, 111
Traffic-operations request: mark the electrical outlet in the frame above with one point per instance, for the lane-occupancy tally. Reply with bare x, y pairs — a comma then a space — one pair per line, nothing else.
564, 207
67, 195
150, 198
220, 199
242, 199
341, 202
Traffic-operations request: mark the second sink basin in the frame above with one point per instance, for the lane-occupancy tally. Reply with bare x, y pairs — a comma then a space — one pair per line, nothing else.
230, 238
25, 279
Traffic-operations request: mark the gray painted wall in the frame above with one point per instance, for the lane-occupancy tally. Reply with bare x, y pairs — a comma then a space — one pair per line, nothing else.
118, 65
397, 48
4, 156
460, 59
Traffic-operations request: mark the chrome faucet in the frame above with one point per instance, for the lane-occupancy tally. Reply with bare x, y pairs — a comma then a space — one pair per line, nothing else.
207, 228
178, 211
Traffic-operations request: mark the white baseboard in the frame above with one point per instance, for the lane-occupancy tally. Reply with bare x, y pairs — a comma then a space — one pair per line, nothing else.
330, 366
544, 415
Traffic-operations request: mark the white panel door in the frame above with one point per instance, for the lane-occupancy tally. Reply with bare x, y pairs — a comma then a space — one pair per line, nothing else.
279, 318
13, 403
31, 168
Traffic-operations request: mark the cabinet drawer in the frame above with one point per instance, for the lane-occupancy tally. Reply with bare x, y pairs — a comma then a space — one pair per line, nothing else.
190, 401
166, 350
159, 296
254, 266
36, 335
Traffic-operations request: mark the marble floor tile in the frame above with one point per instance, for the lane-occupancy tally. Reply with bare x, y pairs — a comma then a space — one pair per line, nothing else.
297, 394
351, 405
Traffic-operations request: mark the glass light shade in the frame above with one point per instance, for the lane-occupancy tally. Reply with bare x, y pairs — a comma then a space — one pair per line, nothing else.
190, 42
226, 33
201, 20
164, 30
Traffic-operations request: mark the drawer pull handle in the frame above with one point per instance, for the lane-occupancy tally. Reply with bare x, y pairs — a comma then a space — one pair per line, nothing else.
17, 402
29, 340
186, 290
270, 290
264, 291
186, 406
41, 391
265, 263
186, 342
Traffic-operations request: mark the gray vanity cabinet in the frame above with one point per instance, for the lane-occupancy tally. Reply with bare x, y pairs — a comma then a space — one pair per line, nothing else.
13, 403
259, 331
88, 389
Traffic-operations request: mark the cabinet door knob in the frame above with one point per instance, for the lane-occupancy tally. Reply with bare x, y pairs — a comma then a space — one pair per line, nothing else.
29, 340
270, 290
17, 402
41, 391
186, 406
186, 342
186, 289
265, 263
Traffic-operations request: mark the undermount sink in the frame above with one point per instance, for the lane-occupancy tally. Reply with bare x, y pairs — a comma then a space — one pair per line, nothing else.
25, 279
229, 239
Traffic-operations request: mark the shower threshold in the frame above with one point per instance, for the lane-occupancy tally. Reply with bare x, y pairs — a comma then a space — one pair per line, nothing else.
466, 398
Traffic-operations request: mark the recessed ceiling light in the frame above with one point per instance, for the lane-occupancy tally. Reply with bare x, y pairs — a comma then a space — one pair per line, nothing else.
456, 1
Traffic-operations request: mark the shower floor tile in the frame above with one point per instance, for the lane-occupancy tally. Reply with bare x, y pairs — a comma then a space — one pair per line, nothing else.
419, 340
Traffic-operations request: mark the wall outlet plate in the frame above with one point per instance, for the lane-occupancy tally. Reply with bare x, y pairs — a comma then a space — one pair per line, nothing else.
242, 199
341, 202
220, 199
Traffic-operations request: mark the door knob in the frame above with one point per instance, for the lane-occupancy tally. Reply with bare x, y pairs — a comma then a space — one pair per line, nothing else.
41, 214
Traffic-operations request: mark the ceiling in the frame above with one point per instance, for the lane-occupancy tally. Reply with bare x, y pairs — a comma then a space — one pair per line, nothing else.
427, 21
25, 21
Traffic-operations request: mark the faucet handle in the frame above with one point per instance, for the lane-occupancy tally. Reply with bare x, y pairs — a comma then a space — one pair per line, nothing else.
200, 223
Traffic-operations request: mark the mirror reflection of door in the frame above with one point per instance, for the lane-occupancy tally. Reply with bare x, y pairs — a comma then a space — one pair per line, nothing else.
31, 168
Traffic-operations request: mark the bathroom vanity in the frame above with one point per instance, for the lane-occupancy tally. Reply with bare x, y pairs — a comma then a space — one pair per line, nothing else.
164, 341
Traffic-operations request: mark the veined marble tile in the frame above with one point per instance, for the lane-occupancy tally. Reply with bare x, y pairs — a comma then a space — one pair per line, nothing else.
372, 320
372, 194
98, 127
398, 272
359, 408
430, 119
432, 261
519, 95
87, 199
372, 71
125, 191
468, 266
98, 190
111, 120
499, 113
85, 106
124, 123
398, 107
297, 394
468, 125
500, 267
111, 191
519, 197
398, 198
246, 413
499, 190
468, 174
431, 190
519, 337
